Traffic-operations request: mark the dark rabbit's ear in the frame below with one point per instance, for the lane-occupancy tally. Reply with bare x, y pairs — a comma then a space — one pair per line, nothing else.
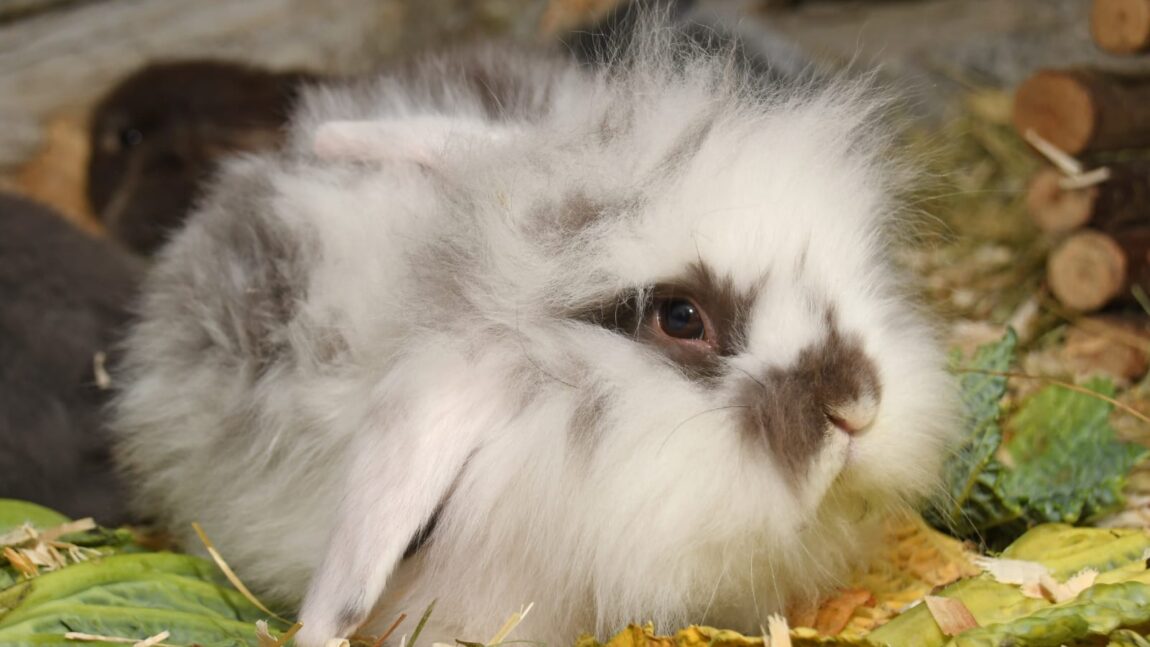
422, 140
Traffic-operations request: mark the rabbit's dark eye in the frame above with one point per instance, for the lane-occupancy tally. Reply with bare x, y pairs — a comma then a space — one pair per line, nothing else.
680, 318
130, 137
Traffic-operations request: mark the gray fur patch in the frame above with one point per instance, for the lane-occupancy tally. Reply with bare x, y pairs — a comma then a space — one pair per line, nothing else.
685, 147
556, 223
253, 285
585, 424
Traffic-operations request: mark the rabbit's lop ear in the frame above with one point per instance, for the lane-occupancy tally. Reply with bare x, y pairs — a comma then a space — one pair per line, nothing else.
402, 474
422, 140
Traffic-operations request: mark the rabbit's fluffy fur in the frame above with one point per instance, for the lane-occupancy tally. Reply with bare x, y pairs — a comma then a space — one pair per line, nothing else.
425, 362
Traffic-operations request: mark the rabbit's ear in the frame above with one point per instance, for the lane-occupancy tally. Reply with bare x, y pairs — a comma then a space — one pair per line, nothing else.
401, 474
422, 140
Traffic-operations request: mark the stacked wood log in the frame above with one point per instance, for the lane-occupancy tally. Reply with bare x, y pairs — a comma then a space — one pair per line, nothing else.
1091, 268
1121, 201
1121, 26
1081, 110
1100, 218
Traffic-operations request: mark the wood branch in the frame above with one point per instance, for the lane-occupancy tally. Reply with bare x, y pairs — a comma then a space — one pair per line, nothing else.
1121, 201
1121, 26
1091, 268
1085, 110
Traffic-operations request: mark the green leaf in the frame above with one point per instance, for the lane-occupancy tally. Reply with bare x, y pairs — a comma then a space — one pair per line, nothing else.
14, 514
1066, 462
972, 500
1071, 465
131, 596
126, 593
1119, 600
1095, 613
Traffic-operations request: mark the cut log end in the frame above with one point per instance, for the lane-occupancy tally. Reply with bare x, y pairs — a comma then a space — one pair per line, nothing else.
1087, 271
1121, 26
1059, 107
1055, 209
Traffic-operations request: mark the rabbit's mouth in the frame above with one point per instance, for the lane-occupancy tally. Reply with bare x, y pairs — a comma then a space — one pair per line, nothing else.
830, 465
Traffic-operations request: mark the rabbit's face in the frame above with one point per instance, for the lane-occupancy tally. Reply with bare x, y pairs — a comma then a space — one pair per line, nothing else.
737, 325
718, 350
745, 265
773, 295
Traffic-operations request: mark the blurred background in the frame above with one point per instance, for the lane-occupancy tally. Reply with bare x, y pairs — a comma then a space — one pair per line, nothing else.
59, 57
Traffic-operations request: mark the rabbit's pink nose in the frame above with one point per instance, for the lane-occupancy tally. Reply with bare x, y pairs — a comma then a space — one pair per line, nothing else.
854, 417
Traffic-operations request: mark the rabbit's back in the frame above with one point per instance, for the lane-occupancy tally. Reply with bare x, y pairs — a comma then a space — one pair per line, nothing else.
65, 298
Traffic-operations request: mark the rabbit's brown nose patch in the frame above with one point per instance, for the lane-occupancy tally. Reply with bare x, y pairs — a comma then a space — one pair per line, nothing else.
793, 410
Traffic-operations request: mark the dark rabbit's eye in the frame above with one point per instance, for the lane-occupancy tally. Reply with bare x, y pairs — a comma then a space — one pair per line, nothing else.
130, 137
681, 319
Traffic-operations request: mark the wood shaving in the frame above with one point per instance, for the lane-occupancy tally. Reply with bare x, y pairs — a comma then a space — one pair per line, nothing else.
1012, 571
1048, 588
18, 536
951, 614
778, 632
264, 636
29, 551
153, 641
20, 562
1082, 581
79, 525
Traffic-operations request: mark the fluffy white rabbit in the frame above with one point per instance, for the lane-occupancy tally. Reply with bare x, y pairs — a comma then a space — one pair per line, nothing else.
623, 342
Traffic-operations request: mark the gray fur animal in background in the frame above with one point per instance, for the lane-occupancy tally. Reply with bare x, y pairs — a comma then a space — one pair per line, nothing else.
63, 298
719, 28
160, 133
624, 342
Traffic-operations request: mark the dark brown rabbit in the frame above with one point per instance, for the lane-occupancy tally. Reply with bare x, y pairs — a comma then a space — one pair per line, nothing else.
158, 134
64, 297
